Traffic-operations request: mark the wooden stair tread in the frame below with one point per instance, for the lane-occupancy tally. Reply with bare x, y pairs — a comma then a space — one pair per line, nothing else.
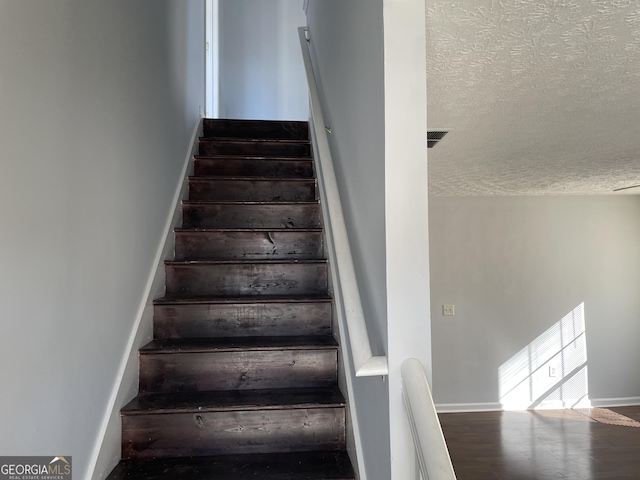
232, 229
253, 157
231, 400
247, 202
274, 466
254, 140
244, 262
249, 178
235, 344
244, 299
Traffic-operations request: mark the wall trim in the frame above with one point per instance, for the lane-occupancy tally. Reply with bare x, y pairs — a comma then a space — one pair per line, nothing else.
468, 407
496, 407
103, 457
615, 402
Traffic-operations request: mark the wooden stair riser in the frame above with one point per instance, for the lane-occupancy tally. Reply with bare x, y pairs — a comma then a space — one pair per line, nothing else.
202, 215
217, 433
332, 465
243, 319
261, 369
218, 279
210, 146
253, 167
253, 190
290, 130
248, 245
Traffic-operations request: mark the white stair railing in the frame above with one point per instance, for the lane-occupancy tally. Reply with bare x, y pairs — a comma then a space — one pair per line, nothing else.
431, 449
345, 285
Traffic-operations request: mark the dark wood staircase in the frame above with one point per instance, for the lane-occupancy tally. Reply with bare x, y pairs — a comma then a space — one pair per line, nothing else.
240, 381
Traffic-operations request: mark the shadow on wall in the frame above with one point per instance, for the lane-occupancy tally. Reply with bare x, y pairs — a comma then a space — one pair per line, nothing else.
550, 372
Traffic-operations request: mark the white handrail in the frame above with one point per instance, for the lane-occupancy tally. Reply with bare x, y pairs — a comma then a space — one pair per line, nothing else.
431, 448
346, 293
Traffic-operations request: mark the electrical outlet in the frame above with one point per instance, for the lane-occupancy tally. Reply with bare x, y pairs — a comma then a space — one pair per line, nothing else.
552, 371
448, 310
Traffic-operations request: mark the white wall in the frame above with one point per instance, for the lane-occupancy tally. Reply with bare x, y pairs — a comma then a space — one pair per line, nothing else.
97, 103
406, 213
514, 266
261, 72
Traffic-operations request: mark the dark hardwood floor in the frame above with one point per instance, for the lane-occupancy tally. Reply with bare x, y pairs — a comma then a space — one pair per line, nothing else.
581, 444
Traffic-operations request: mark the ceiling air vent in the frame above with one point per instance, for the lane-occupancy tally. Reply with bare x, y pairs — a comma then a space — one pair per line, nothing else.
434, 136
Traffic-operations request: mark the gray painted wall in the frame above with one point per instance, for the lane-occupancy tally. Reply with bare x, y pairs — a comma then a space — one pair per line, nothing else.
261, 70
346, 45
515, 266
97, 103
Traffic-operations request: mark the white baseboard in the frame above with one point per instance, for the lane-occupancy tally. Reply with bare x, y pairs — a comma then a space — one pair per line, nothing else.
615, 402
468, 407
106, 451
496, 407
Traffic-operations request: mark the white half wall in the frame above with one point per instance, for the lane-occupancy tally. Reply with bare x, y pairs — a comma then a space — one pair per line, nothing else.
261, 73
515, 266
97, 104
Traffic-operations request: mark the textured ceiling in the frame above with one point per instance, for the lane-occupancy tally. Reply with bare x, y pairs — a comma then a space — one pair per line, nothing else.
541, 96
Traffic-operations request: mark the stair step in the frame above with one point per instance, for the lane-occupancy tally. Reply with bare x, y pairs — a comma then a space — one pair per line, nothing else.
251, 214
262, 147
224, 433
228, 244
280, 466
287, 167
236, 278
242, 300
232, 400
237, 363
255, 189
242, 316
238, 344
292, 130
231, 422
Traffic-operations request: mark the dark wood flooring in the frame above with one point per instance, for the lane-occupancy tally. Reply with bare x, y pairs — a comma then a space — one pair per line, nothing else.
537, 445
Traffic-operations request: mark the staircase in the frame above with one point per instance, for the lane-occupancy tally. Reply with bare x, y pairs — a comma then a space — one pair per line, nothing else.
240, 381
